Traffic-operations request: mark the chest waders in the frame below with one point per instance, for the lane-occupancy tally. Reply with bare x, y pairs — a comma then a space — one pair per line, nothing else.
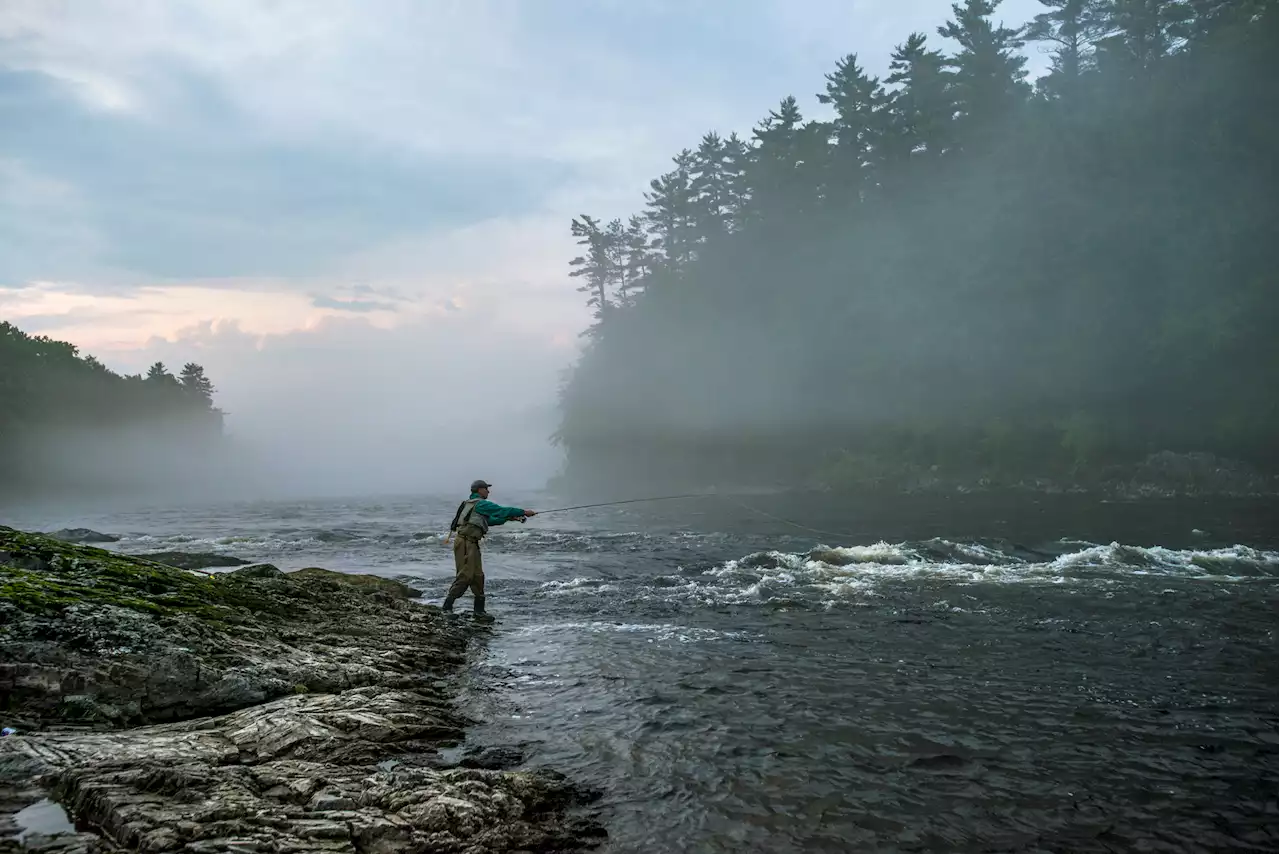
470, 527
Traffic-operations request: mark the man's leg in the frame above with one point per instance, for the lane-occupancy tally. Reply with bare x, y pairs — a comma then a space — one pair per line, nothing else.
461, 581
477, 580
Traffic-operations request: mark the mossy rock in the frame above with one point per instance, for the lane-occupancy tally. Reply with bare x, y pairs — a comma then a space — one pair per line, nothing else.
194, 560
41, 574
95, 637
364, 583
257, 570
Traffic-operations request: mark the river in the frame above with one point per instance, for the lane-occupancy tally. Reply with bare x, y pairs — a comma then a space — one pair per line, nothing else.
964, 673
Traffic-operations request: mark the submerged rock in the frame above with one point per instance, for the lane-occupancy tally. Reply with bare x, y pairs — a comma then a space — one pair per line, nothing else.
82, 535
194, 560
261, 704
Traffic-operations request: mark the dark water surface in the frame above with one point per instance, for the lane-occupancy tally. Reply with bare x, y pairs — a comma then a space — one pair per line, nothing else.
973, 673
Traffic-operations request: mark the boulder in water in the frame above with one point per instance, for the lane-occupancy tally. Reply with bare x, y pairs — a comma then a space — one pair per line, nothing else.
194, 560
82, 535
257, 570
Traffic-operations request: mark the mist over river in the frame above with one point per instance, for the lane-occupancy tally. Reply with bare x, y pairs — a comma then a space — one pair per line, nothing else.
965, 673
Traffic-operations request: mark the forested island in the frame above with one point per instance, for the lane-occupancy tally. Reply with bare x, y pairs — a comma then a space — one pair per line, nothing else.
69, 425
958, 275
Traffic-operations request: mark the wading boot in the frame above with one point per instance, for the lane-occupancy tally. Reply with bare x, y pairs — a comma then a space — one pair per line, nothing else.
448, 604
479, 609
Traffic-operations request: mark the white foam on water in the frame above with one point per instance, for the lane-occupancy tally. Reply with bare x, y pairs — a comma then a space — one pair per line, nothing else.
580, 586
1232, 564
845, 575
879, 553
254, 544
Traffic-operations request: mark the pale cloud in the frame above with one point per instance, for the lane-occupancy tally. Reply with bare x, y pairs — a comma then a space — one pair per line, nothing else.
105, 323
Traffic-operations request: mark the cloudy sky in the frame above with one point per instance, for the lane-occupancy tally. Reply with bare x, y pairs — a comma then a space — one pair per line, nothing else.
355, 213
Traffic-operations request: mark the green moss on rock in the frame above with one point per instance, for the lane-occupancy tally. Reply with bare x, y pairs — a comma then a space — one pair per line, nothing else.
364, 583
39, 574
145, 642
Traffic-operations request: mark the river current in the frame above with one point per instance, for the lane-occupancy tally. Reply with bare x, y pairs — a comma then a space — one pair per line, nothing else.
1025, 673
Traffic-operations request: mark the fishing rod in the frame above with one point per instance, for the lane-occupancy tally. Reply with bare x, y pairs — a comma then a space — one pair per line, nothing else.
448, 538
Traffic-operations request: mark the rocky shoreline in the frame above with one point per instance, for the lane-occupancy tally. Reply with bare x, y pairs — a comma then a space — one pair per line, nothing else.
251, 710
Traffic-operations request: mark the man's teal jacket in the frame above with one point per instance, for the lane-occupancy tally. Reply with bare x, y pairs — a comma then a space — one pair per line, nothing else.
495, 513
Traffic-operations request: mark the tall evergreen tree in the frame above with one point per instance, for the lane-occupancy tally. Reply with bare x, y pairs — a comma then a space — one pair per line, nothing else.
772, 168
641, 259
858, 130
989, 71
737, 157
196, 384
671, 211
712, 194
158, 375
594, 266
921, 109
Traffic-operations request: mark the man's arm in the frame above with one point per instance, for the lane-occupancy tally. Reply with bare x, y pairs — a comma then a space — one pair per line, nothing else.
498, 514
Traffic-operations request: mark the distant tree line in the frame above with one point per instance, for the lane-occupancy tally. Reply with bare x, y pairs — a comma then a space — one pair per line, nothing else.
956, 268
50, 393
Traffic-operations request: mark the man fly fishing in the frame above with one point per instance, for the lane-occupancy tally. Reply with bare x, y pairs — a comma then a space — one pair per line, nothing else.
472, 521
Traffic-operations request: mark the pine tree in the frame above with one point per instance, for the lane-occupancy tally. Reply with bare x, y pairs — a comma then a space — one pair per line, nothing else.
671, 211
641, 260
920, 111
594, 266
158, 375
773, 162
622, 278
737, 157
712, 195
858, 129
989, 71
196, 384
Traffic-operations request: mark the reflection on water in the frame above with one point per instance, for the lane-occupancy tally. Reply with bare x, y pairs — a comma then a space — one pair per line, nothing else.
43, 817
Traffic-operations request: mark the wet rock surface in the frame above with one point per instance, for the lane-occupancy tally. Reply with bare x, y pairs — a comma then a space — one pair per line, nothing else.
82, 535
195, 560
266, 712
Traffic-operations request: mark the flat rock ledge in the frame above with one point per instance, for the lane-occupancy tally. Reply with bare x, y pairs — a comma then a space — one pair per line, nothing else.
247, 712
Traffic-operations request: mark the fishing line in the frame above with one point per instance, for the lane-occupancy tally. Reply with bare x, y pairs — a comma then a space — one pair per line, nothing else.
842, 534
628, 501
